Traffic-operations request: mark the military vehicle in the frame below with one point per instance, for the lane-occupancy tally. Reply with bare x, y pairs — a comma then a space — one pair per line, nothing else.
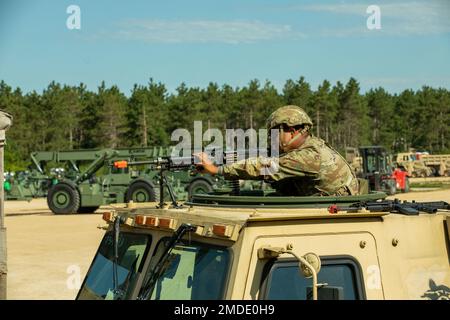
353, 157
102, 183
82, 180
254, 245
46, 169
26, 185
377, 169
438, 163
49, 167
415, 167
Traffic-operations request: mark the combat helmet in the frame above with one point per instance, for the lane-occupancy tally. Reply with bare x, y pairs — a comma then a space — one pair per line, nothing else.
290, 115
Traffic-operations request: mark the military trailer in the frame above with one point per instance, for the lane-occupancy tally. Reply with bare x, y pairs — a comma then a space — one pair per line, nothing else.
438, 163
258, 246
26, 185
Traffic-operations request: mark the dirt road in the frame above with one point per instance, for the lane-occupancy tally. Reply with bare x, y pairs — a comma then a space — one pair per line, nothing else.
435, 195
48, 253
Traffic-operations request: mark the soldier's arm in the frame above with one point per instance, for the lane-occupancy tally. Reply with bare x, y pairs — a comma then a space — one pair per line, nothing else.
294, 164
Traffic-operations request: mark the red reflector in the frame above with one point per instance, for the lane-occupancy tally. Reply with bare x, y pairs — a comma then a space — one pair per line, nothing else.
166, 223
219, 230
139, 220
333, 209
222, 230
107, 216
151, 221
120, 164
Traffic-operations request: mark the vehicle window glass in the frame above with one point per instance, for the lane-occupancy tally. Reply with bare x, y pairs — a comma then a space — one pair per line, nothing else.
99, 280
195, 271
371, 165
286, 283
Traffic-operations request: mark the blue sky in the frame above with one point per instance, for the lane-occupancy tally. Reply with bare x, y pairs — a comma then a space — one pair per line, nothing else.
233, 41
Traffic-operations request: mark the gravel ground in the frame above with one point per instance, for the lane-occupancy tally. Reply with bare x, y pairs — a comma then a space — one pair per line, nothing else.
48, 254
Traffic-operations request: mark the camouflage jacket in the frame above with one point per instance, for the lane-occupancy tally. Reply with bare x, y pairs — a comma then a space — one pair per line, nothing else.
313, 169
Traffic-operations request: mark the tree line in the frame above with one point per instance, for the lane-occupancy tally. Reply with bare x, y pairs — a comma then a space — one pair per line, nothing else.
65, 117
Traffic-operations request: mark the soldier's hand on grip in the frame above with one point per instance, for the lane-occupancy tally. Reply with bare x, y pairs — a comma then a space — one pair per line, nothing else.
204, 165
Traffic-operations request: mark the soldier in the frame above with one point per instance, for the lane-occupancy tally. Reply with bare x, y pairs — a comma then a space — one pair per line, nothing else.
307, 165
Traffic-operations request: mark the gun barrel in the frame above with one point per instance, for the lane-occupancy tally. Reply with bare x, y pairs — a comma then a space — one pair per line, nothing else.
186, 162
170, 162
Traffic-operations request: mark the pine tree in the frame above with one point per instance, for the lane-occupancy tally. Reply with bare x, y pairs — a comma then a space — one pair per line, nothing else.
428, 125
67, 117
403, 120
298, 93
137, 133
110, 128
381, 107
352, 123
271, 101
155, 120
324, 103
251, 103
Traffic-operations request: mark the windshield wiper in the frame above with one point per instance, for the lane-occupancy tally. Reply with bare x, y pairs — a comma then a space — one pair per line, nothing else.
116, 234
121, 291
160, 267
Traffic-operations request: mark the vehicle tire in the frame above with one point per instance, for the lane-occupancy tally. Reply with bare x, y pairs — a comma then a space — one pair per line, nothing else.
434, 172
406, 185
389, 188
199, 186
87, 209
63, 198
141, 191
392, 190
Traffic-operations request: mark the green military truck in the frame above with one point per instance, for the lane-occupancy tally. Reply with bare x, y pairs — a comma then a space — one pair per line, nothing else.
102, 183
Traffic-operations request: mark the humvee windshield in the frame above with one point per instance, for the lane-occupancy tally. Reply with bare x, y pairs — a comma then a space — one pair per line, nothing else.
99, 281
196, 271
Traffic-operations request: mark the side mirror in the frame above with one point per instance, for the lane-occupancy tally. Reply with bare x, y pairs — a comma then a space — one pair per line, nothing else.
314, 261
309, 264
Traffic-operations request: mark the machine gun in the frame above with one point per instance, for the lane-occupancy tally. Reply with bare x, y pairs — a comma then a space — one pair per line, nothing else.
162, 164
394, 206
168, 163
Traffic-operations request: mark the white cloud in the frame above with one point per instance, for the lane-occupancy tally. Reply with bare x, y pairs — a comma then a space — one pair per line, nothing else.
397, 18
400, 18
203, 31
341, 8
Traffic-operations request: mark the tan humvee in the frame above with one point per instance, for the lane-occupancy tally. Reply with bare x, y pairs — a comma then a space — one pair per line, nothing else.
415, 168
272, 249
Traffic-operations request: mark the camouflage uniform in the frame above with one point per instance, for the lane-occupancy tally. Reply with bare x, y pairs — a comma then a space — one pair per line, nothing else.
312, 169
